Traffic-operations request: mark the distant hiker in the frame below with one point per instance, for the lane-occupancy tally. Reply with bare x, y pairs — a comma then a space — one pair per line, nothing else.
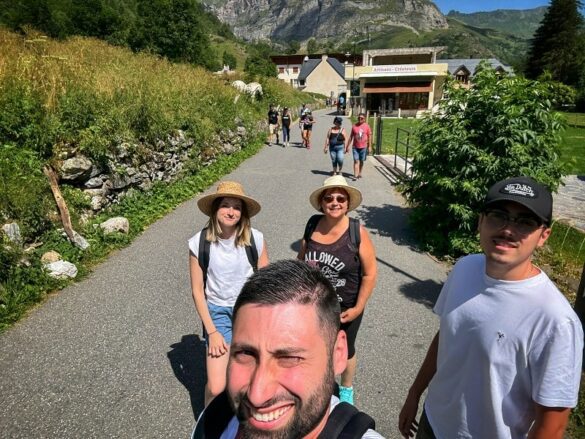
286, 350
361, 141
286, 121
307, 123
272, 124
222, 256
506, 362
335, 144
342, 249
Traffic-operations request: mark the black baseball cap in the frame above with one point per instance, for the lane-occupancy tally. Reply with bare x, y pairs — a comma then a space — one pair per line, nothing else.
524, 191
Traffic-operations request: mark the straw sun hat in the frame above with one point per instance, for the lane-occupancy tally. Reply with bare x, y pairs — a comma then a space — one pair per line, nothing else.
336, 181
228, 189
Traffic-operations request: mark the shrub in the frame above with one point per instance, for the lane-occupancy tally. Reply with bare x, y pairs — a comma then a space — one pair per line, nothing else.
501, 127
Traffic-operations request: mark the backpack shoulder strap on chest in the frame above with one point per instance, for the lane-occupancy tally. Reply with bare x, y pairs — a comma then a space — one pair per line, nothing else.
203, 253
354, 233
311, 226
346, 422
214, 419
252, 252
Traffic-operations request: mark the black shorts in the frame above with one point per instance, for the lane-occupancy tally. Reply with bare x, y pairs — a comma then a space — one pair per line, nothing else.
351, 329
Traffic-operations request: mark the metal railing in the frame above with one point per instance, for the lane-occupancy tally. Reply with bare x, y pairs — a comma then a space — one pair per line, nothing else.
407, 159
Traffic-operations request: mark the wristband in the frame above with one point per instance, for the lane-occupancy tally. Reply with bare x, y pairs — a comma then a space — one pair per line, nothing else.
209, 333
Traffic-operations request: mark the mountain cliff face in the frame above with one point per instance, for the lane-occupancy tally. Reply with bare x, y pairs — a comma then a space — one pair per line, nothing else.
339, 20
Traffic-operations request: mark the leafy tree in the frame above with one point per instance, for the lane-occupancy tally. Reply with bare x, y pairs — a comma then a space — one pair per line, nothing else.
229, 60
258, 62
172, 28
499, 128
312, 46
558, 42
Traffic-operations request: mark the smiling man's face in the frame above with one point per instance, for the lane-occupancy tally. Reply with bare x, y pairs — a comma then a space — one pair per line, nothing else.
281, 370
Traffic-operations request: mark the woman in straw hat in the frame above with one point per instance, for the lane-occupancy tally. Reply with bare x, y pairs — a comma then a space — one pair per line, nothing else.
331, 245
218, 275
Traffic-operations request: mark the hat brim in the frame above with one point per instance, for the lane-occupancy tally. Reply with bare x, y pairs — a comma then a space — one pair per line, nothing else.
355, 196
205, 203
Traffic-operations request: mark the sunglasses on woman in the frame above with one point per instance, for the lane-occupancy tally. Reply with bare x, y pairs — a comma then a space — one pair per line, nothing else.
338, 198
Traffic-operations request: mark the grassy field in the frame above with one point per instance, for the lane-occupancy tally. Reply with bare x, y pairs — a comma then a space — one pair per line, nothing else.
573, 147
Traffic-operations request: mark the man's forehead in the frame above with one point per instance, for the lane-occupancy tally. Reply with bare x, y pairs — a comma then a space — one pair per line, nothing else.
282, 316
512, 207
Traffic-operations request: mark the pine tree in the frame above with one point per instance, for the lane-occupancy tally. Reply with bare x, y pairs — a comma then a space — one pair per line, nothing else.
557, 43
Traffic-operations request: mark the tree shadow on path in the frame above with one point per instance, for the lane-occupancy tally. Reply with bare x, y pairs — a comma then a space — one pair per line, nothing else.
187, 359
392, 221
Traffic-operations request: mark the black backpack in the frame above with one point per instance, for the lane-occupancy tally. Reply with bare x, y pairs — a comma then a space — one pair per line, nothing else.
344, 422
354, 231
205, 245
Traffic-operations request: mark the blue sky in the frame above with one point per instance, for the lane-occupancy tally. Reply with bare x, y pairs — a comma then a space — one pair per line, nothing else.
487, 5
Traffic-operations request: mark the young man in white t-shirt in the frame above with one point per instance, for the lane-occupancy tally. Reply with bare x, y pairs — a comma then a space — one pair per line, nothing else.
506, 362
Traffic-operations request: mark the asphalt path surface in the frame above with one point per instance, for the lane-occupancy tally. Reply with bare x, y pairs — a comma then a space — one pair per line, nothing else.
119, 354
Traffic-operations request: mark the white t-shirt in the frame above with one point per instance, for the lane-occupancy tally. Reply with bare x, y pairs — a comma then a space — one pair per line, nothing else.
232, 428
502, 346
228, 268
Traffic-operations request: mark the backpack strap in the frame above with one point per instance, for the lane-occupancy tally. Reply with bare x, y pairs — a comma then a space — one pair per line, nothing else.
214, 419
203, 254
311, 226
252, 252
346, 422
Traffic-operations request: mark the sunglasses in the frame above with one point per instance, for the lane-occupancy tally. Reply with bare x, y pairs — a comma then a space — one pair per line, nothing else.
361, 117
338, 198
523, 224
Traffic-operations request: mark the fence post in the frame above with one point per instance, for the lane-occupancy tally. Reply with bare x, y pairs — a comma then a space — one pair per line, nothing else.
379, 136
406, 155
396, 146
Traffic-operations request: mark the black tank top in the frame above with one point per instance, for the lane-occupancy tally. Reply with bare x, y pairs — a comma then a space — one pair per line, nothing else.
340, 264
336, 138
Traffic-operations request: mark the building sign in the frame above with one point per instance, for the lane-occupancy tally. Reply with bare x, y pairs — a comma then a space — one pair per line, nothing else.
406, 68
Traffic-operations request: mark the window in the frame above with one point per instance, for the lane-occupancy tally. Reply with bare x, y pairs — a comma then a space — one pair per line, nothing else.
281, 70
295, 70
462, 77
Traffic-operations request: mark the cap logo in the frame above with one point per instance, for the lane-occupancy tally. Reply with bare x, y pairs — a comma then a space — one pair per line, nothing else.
520, 189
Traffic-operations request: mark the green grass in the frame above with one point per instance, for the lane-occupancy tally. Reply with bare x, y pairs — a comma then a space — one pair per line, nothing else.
389, 134
573, 143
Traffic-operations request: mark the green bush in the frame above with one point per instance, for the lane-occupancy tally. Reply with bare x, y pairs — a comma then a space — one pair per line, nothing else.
501, 127
25, 196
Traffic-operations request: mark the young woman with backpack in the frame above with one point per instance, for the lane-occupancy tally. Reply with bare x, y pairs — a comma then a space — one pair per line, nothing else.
222, 256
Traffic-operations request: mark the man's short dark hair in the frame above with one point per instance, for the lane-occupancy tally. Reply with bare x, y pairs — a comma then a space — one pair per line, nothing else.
293, 281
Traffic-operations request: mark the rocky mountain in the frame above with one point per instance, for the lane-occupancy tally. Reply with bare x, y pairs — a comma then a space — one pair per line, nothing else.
335, 20
521, 23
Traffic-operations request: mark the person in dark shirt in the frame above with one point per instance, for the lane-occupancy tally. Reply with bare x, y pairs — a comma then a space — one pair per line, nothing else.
285, 119
272, 124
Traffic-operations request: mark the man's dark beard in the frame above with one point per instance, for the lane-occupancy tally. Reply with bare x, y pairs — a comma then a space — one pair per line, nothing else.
306, 417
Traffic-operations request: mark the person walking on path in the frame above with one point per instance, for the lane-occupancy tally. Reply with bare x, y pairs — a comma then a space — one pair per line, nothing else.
287, 349
335, 144
346, 256
286, 120
218, 273
506, 362
307, 122
272, 124
361, 141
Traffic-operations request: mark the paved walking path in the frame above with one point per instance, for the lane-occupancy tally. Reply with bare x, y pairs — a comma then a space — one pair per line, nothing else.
119, 355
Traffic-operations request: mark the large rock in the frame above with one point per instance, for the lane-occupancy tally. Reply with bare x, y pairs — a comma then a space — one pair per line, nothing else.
116, 224
12, 231
76, 168
61, 269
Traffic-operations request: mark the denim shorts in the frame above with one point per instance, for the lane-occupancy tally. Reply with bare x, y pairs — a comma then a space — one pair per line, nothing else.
222, 319
360, 154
